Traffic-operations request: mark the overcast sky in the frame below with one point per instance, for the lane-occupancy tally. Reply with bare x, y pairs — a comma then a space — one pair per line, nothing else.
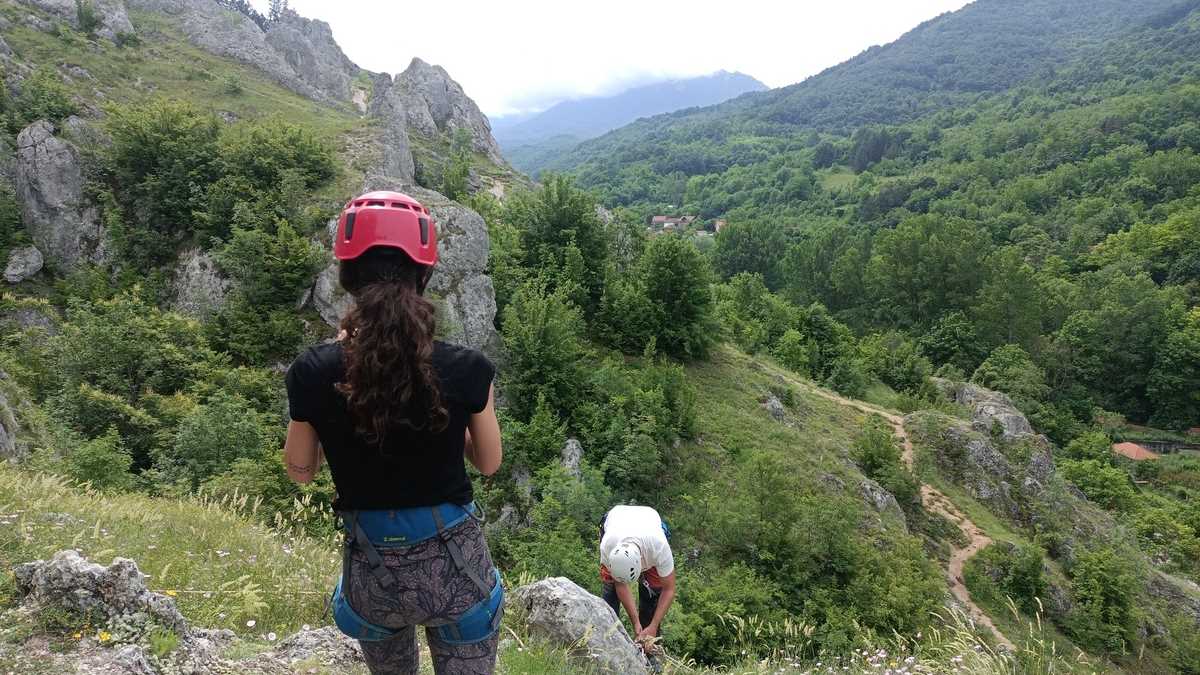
525, 55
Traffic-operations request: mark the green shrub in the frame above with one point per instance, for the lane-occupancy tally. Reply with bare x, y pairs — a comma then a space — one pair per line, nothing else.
1104, 585
542, 340
11, 232
1107, 485
43, 95
103, 462
793, 350
86, 16
1005, 570
231, 85
198, 453
164, 155
1093, 445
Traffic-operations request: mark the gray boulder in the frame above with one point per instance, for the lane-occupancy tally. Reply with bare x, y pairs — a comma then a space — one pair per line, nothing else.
989, 409
199, 289
49, 184
23, 263
561, 612
111, 13
307, 45
328, 298
436, 104
460, 279
774, 407
880, 499
395, 164
116, 592
225, 32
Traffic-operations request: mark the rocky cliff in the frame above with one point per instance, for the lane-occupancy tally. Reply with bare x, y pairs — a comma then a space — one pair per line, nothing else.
307, 45
110, 13
49, 183
436, 104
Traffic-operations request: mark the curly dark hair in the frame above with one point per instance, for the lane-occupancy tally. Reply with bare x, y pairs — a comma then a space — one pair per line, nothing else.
388, 348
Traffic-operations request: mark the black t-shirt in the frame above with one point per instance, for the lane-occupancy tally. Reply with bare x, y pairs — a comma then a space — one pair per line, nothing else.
416, 467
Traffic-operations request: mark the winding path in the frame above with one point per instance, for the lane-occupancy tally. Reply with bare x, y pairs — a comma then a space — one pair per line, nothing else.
933, 501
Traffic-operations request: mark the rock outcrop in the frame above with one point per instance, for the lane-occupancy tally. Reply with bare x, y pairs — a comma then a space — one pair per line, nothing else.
307, 45
989, 409
115, 593
110, 14
199, 289
572, 457
23, 263
225, 32
459, 281
396, 158
880, 499
560, 611
435, 104
117, 596
49, 184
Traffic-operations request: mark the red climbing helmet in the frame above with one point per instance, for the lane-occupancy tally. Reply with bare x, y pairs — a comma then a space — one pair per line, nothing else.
386, 219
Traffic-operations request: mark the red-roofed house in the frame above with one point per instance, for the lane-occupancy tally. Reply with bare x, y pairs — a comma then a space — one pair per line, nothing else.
1133, 451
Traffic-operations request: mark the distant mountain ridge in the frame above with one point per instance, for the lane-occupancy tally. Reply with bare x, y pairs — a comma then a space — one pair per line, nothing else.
574, 121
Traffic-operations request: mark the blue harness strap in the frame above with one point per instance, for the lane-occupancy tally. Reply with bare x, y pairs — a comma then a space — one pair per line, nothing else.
403, 528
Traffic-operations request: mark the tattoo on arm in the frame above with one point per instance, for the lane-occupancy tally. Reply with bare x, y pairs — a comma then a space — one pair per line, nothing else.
302, 469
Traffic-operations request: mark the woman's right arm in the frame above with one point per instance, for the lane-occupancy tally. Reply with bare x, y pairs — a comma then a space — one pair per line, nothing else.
483, 447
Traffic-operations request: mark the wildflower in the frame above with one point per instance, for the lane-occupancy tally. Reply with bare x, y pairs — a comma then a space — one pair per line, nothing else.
104, 636
77, 635
171, 593
250, 623
305, 627
271, 637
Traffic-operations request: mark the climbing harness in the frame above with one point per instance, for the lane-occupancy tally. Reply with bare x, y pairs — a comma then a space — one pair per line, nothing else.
372, 530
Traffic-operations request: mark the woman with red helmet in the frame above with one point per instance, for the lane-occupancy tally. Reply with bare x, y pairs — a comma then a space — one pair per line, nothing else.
395, 412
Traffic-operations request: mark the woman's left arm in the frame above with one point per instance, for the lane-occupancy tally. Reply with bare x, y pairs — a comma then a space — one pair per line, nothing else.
302, 452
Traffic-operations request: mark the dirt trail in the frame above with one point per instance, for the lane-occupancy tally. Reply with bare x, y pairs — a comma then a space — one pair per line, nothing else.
935, 502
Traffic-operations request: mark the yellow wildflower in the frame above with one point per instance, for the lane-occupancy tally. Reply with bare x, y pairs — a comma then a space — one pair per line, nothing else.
171, 593
104, 636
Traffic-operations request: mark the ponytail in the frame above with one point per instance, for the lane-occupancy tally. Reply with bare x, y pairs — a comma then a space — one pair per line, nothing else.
388, 348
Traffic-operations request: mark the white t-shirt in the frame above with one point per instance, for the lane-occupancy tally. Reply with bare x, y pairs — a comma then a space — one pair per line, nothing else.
643, 526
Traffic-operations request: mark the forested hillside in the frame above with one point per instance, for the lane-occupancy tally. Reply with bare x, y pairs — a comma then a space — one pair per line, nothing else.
1041, 194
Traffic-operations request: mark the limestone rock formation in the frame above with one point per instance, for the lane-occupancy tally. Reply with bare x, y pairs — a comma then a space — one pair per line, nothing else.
880, 499
23, 263
572, 455
199, 289
74, 584
49, 184
228, 33
435, 104
307, 45
560, 611
110, 13
460, 279
117, 595
989, 408
396, 158
774, 407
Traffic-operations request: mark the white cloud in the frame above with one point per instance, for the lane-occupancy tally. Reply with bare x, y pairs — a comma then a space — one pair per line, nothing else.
526, 54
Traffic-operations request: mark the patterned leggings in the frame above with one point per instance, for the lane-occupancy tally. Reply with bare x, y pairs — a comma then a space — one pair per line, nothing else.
430, 592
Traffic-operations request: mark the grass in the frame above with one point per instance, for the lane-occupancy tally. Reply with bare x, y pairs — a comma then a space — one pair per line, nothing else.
224, 569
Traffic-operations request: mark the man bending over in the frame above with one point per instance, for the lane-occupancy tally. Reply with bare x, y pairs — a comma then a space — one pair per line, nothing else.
634, 547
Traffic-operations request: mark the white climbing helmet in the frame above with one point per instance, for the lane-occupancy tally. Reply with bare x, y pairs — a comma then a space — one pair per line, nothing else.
625, 563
